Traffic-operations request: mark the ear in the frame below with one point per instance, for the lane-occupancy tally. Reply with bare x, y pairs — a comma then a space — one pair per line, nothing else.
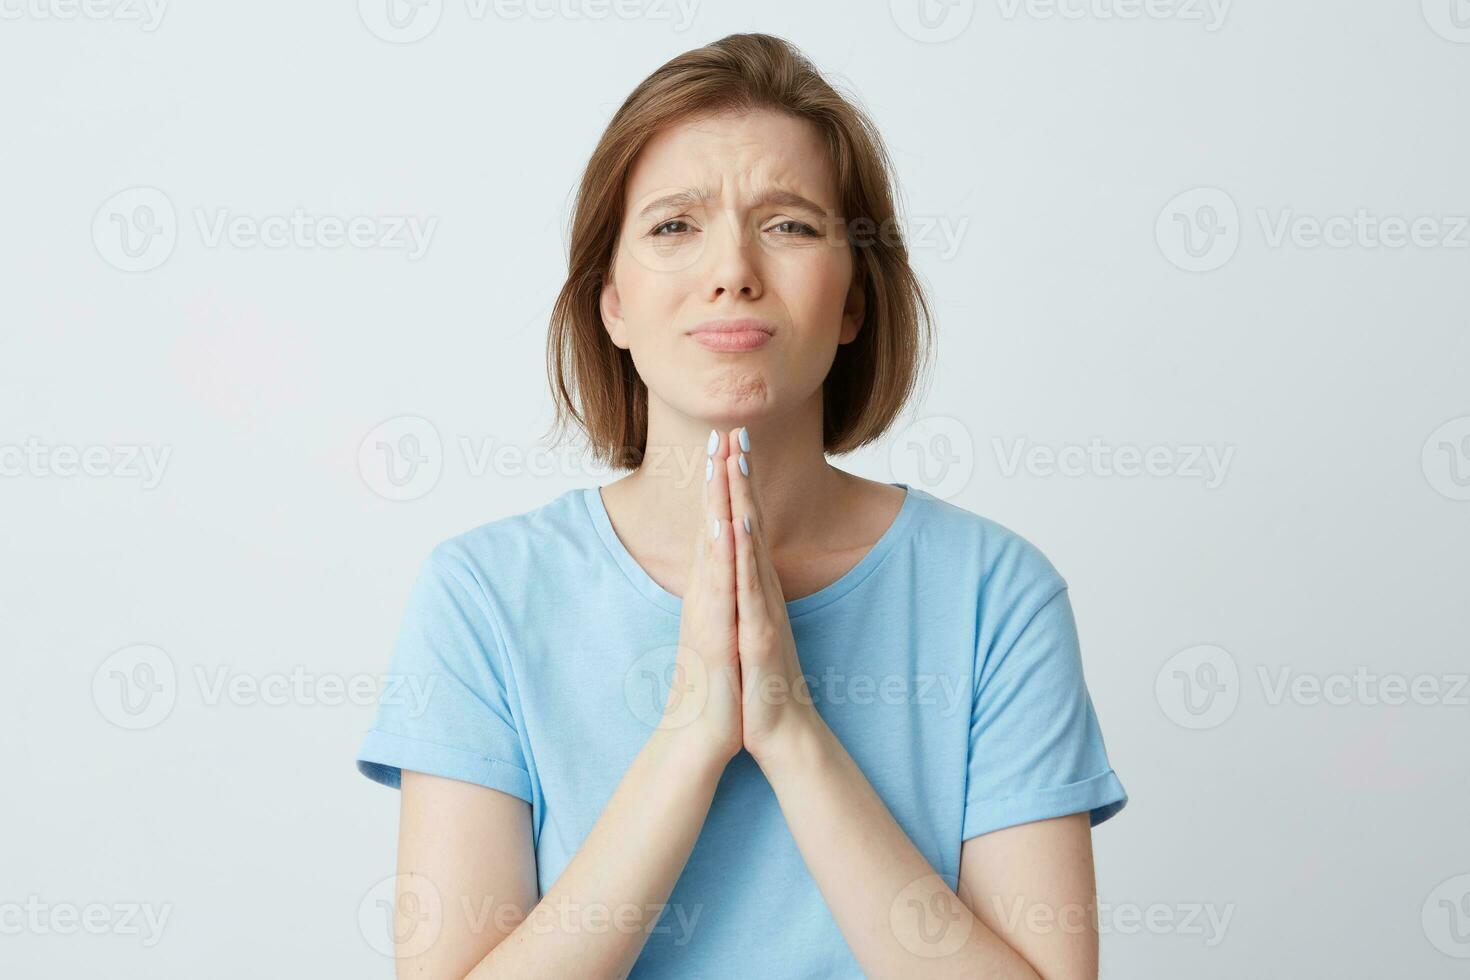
612, 312
853, 310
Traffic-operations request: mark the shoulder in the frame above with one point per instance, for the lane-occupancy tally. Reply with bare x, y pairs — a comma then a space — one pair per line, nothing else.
511, 549
1010, 567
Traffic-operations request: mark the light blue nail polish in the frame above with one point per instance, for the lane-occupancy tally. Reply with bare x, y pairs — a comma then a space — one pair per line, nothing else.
746, 518
744, 440
709, 469
715, 529
712, 443
744, 466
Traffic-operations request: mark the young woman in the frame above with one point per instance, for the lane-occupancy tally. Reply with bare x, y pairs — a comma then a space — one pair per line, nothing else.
740, 713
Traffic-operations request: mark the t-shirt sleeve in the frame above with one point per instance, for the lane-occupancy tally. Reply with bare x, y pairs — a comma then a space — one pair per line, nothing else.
1036, 750
445, 706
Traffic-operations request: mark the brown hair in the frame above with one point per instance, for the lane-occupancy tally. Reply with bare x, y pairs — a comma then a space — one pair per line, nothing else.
594, 382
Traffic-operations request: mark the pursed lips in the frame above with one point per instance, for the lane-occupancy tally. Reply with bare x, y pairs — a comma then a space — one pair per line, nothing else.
733, 336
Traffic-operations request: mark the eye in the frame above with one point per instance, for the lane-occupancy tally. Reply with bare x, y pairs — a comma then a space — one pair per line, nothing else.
658, 231
797, 228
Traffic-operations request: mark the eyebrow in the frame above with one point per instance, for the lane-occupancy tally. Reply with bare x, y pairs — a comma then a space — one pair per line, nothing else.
694, 198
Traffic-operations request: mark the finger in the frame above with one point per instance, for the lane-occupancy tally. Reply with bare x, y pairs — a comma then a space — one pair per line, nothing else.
752, 595
750, 504
719, 568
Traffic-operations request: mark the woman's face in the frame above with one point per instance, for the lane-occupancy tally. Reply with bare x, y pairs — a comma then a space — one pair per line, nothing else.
733, 218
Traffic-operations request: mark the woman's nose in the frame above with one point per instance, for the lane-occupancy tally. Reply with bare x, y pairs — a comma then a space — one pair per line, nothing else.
733, 258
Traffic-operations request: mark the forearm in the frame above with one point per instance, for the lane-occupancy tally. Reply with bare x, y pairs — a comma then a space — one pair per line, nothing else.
595, 919
897, 915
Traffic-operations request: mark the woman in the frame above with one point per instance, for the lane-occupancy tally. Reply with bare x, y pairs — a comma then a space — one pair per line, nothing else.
740, 713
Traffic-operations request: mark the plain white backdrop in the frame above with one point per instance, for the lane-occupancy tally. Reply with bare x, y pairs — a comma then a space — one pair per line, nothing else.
274, 284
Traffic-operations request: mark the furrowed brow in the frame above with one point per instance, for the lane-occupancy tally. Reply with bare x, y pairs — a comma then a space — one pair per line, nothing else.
787, 199
695, 198
676, 200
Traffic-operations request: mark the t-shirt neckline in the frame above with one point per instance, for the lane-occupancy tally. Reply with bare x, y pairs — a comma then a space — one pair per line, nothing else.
666, 600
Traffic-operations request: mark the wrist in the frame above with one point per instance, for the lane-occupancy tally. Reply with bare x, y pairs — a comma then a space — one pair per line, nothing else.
690, 750
798, 742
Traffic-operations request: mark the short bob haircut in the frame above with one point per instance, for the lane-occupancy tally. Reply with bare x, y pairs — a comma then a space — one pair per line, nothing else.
594, 382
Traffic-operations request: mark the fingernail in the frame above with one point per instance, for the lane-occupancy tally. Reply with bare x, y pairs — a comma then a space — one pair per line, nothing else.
709, 469
746, 519
715, 531
744, 440
712, 443
744, 466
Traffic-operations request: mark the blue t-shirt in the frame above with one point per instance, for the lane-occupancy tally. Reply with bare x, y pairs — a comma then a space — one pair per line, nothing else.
946, 661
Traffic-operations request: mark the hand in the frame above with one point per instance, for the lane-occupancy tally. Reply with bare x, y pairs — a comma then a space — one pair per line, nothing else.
776, 702
704, 694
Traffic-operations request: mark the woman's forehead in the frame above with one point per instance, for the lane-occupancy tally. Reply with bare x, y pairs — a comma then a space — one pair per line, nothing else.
733, 160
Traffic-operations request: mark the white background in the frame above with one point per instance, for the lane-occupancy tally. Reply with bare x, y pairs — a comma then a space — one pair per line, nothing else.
1054, 142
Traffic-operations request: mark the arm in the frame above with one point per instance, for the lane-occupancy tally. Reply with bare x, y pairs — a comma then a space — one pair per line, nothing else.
473, 844
465, 852
899, 917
